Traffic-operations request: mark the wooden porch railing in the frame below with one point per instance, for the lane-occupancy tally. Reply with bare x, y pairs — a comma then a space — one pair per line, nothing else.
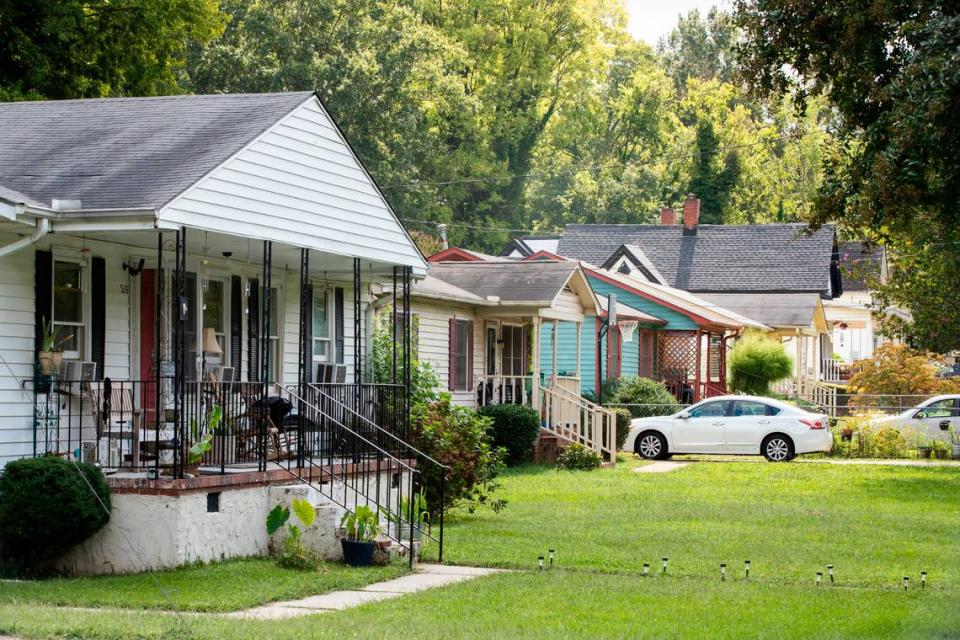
576, 419
505, 390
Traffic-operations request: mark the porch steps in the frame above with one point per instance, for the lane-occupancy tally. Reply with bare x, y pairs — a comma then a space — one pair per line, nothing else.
548, 446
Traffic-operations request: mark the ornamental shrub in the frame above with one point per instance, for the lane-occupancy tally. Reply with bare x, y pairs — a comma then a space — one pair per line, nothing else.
624, 418
897, 370
515, 428
755, 362
577, 457
456, 437
48, 505
649, 397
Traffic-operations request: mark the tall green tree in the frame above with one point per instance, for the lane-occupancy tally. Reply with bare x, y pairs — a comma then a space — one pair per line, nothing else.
700, 47
95, 48
891, 71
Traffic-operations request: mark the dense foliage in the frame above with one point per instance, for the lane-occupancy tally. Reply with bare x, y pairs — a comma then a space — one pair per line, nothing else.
456, 437
624, 419
577, 457
890, 69
756, 361
48, 505
515, 428
642, 396
897, 370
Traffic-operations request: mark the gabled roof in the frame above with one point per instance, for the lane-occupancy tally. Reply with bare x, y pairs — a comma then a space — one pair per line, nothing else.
858, 263
128, 153
527, 245
536, 283
459, 254
639, 260
769, 257
701, 311
779, 310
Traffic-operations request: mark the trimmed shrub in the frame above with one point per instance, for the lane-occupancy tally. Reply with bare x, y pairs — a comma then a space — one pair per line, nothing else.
624, 418
756, 361
632, 390
46, 507
515, 428
577, 457
456, 437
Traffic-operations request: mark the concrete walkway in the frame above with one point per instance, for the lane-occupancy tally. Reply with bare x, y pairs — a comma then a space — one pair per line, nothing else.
425, 576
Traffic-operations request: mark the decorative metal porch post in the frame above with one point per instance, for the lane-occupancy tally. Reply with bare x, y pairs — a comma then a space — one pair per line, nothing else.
407, 351
180, 351
357, 338
303, 372
158, 372
266, 301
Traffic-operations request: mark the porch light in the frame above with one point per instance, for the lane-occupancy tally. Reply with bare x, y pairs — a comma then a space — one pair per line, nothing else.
210, 342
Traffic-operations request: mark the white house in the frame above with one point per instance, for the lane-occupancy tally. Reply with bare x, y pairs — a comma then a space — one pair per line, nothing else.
186, 252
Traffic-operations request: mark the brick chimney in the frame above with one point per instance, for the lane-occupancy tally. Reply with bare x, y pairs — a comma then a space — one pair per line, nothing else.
691, 214
668, 216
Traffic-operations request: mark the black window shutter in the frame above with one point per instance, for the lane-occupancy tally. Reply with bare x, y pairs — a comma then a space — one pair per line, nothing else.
236, 325
253, 331
308, 332
98, 319
338, 323
43, 294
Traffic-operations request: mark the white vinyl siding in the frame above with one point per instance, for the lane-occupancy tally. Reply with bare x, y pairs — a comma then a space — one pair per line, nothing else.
300, 184
434, 343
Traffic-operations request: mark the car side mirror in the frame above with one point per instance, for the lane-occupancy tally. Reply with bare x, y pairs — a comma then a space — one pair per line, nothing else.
920, 415
684, 416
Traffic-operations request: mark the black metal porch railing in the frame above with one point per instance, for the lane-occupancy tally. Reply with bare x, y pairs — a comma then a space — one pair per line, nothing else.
135, 424
432, 474
382, 404
352, 461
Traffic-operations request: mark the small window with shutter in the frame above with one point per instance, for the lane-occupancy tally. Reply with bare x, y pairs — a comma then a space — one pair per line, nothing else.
461, 355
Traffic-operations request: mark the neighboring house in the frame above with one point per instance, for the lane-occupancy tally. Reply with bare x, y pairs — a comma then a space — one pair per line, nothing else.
190, 252
778, 275
851, 315
525, 246
500, 331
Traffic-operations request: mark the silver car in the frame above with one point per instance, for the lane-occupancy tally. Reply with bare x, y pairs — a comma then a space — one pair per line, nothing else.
933, 418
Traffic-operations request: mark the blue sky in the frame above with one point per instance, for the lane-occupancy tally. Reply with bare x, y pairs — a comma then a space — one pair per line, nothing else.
650, 19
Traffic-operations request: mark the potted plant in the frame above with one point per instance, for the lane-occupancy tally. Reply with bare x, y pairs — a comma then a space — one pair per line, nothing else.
955, 443
940, 449
359, 537
202, 436
399, 522
50, 357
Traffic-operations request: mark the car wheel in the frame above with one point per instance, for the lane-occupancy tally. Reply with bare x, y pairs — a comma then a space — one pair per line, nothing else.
777, 448
652, 446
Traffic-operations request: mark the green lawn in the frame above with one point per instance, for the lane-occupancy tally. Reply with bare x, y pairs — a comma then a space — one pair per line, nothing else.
875, 523
225, 586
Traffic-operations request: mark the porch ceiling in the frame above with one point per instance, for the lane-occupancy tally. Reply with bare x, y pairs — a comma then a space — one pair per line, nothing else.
244, 252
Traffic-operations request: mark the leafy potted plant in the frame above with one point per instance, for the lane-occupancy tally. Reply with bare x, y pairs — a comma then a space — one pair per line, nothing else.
50, 357
940, 449
202, 436
399, 522
359, 537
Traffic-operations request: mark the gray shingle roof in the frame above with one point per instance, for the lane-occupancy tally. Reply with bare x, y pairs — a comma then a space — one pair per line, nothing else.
535, 281
128, 152
772, 309
859, 262
770, 257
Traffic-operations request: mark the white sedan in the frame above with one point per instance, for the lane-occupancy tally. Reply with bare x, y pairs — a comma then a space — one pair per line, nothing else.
741, 425
933, 417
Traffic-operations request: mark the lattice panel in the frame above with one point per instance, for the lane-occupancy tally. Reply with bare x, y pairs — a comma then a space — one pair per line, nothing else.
678, 356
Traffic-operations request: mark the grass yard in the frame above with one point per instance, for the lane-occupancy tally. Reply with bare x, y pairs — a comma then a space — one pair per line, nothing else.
874, 523
225, 586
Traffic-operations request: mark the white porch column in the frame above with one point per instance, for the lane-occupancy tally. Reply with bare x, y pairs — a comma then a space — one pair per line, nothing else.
799, 362
536, 363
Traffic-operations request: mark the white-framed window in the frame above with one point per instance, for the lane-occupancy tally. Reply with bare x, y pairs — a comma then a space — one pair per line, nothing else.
322, 325
462, 343
276, 354
69, 309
